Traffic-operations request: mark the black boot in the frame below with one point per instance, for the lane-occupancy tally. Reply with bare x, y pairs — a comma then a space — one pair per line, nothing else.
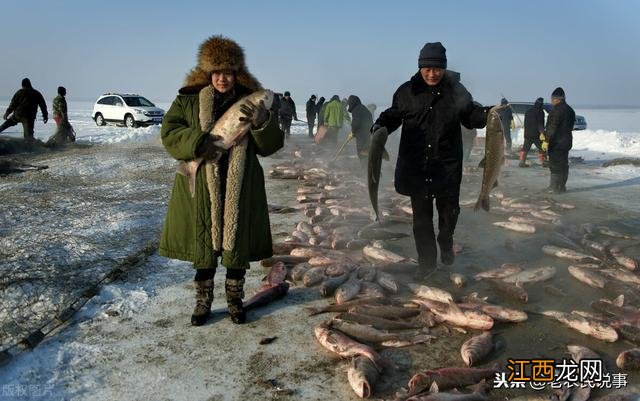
448, 212
554, 184
447, 256
204, 298
235, 293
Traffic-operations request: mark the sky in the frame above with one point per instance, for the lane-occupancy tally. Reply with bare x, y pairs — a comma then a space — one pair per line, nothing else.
519, 49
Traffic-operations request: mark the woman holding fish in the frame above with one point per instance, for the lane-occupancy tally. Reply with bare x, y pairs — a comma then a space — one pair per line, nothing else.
216, 127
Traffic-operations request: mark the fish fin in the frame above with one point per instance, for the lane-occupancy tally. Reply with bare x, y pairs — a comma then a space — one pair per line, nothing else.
484, 203
456, 309
619, 301
313, 311
434, 388
481, 388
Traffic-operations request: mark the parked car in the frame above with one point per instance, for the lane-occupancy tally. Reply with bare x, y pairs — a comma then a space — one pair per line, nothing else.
124, 108
519, 108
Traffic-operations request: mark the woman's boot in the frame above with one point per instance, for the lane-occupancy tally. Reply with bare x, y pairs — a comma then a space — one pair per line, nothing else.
204, 298
234, 291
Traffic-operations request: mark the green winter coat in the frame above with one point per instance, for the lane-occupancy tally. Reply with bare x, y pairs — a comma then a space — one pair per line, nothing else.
187, 231
334, 114
60, 107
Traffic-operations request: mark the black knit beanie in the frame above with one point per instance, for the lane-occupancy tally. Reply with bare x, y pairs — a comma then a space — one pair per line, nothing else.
26, 83
433, 55
539, 100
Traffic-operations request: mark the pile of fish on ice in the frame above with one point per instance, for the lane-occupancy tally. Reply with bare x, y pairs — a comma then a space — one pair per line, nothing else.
339, 250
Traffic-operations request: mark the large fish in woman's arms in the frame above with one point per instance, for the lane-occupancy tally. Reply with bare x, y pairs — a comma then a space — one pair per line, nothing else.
230, 130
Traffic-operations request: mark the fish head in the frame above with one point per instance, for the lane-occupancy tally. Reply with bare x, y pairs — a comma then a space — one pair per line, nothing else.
421, 381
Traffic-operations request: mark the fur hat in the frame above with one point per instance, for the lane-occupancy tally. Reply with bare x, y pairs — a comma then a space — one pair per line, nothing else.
219, 53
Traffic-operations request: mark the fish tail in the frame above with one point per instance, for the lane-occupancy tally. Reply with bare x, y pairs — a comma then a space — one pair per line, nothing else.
483, 202
313, 311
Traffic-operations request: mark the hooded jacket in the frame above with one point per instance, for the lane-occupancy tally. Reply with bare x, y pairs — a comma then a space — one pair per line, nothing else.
430, 155
334, 113
190, 231
361, 122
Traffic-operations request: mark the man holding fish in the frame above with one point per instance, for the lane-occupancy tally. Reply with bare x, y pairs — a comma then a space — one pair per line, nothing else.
430, 107
216, 127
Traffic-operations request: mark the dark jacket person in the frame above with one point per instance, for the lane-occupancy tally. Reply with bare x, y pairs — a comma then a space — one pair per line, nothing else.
23, 108
558, 134
430, 107
361, 121
319, 110
311, 113
287, 113
227, 216
506, 117
533, 127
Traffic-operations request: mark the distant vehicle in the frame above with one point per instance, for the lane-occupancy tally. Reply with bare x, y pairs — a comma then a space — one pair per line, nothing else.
124, 108
519, 108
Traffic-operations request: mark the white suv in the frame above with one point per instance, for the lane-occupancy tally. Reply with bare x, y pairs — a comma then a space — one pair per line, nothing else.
128, 109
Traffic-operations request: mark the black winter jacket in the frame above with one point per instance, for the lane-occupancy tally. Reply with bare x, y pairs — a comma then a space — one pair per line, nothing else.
361, 122
287, 108
430, 154
311, 110
24, 104
559, 126
534, 122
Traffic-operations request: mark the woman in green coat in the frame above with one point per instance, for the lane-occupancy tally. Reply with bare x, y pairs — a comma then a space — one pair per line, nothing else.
227, 215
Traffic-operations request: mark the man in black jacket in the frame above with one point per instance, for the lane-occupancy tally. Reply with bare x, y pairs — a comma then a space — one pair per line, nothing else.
24, 106
559, 137
430, 107
319, 111
533, 128
506, 117
361, 121
287, 113
311, 114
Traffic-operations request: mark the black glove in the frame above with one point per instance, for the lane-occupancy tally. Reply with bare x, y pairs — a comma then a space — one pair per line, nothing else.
256, 115
45, 119
208, 150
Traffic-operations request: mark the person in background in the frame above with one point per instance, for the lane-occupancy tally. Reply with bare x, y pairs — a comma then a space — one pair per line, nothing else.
311, 114
320, 110
64, 131
333, 118
430, 107
287, 113
361, 122
23, 109
533, 129
372, 109
468, 139
275, 106
227, 215
506, 117
559, 140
